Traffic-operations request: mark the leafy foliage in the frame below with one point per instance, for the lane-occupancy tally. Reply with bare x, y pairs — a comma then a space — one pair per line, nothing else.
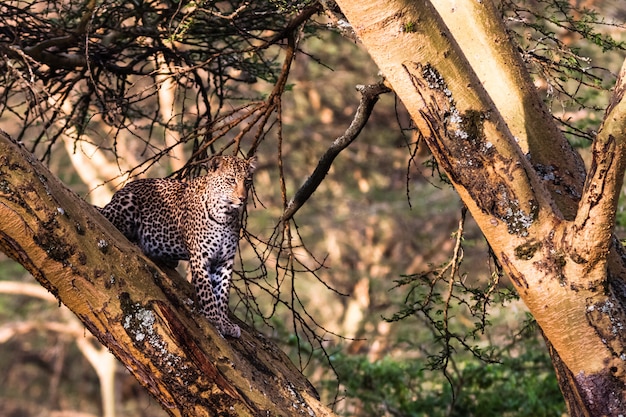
521, 384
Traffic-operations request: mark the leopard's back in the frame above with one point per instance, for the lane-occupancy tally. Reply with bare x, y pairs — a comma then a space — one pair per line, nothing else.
149, 212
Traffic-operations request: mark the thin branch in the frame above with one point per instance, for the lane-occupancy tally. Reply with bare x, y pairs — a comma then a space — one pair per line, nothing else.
293, 25
369, 97
24, 288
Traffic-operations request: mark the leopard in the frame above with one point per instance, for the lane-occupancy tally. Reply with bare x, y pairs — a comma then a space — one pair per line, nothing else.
197, 221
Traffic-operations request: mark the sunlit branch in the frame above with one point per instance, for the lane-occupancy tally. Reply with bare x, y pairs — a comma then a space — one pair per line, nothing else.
595, 220
298, 21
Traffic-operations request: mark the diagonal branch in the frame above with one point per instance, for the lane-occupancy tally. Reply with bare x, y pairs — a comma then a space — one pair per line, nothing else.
294, 24
369, 97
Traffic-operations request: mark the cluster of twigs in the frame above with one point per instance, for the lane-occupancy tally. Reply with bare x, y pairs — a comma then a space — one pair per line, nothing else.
438, 296
288, 250
88, 65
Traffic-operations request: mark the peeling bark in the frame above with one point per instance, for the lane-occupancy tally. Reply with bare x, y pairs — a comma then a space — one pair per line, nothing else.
481, 35
144, 316
590, 234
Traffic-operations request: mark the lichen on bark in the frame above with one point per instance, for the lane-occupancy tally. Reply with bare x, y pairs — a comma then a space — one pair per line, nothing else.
458, 140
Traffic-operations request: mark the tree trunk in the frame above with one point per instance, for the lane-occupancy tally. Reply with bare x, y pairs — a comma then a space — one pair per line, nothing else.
142, 315
559, 253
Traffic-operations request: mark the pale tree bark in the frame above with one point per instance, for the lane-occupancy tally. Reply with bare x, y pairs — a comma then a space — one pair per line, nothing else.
143, 316
168, 110
560, 255
479, 31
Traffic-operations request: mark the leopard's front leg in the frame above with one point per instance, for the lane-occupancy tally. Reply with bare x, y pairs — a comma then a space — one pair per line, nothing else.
212, 284
221, 275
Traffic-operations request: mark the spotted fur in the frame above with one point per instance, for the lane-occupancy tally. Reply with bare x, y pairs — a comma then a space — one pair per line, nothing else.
198, 221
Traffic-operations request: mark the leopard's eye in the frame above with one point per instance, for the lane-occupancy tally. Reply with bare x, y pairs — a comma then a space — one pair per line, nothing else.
231, 180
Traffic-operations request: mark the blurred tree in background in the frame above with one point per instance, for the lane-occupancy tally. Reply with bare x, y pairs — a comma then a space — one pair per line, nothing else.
379, 288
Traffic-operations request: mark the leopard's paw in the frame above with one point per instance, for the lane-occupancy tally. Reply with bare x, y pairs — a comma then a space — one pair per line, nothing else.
231, 329
227, 328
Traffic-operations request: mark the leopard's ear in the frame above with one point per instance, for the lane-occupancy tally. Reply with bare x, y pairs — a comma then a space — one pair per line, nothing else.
252, 163
214, 163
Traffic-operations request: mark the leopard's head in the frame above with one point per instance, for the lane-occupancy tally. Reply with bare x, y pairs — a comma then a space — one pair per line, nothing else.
232, 178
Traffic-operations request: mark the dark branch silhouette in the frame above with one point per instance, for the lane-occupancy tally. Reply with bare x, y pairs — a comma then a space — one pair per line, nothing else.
369, 97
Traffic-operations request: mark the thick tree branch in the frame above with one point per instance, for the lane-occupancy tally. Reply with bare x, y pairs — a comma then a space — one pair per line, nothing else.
369, 97
336, 16
478, 28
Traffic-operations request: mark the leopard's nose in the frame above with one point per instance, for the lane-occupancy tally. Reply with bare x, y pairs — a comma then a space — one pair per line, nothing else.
238, 200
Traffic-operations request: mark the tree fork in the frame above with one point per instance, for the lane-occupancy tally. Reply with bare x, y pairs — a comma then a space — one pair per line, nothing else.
513, 205
141, 314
